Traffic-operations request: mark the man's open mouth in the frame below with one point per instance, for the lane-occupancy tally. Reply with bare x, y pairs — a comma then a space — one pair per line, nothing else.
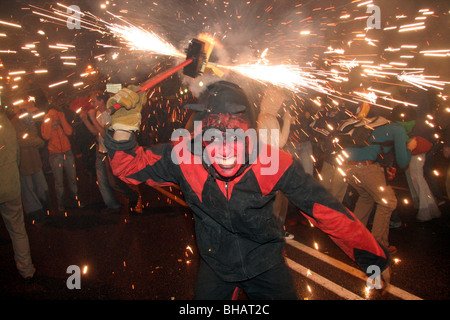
227, 163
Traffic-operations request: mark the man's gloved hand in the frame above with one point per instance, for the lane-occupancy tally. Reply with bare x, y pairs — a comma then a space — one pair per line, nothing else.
129, 117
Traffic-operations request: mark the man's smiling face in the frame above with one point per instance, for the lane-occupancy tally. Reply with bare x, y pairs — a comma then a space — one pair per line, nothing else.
225, 151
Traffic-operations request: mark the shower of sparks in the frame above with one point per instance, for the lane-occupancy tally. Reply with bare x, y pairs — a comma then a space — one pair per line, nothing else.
136, 38
288, 77
423, 82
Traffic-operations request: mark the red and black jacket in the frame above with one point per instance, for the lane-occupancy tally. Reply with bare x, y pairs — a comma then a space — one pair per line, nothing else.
236, 231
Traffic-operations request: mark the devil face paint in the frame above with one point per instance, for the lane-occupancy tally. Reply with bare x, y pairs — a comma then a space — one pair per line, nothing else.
224, 142
225, 151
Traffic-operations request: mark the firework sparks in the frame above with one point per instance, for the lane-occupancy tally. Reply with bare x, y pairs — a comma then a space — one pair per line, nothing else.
57, 83
137, 38
10, 24
423, 82
289, 77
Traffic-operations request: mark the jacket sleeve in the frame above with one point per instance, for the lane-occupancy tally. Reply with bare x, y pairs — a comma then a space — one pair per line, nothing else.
46, 129
402, 154
135, 164
326, 213
31, 140
65, 125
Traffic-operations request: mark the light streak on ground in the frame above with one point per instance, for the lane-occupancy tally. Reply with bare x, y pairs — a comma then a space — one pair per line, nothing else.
400, 293
324, 282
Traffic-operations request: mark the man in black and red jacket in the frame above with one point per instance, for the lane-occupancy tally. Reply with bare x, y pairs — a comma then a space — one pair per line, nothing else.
230, 179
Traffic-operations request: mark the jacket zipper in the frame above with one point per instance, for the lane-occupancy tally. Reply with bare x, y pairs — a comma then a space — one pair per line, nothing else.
226, 189
231, 226
228, 207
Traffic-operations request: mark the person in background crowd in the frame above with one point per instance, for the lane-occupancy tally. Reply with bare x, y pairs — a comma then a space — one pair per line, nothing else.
446, 153
324, 124
96, 120
84, 139
429, 109
267, 123
368, 178
35, 194
444, 119
423, 198
298, 143
55, 129
10, 198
